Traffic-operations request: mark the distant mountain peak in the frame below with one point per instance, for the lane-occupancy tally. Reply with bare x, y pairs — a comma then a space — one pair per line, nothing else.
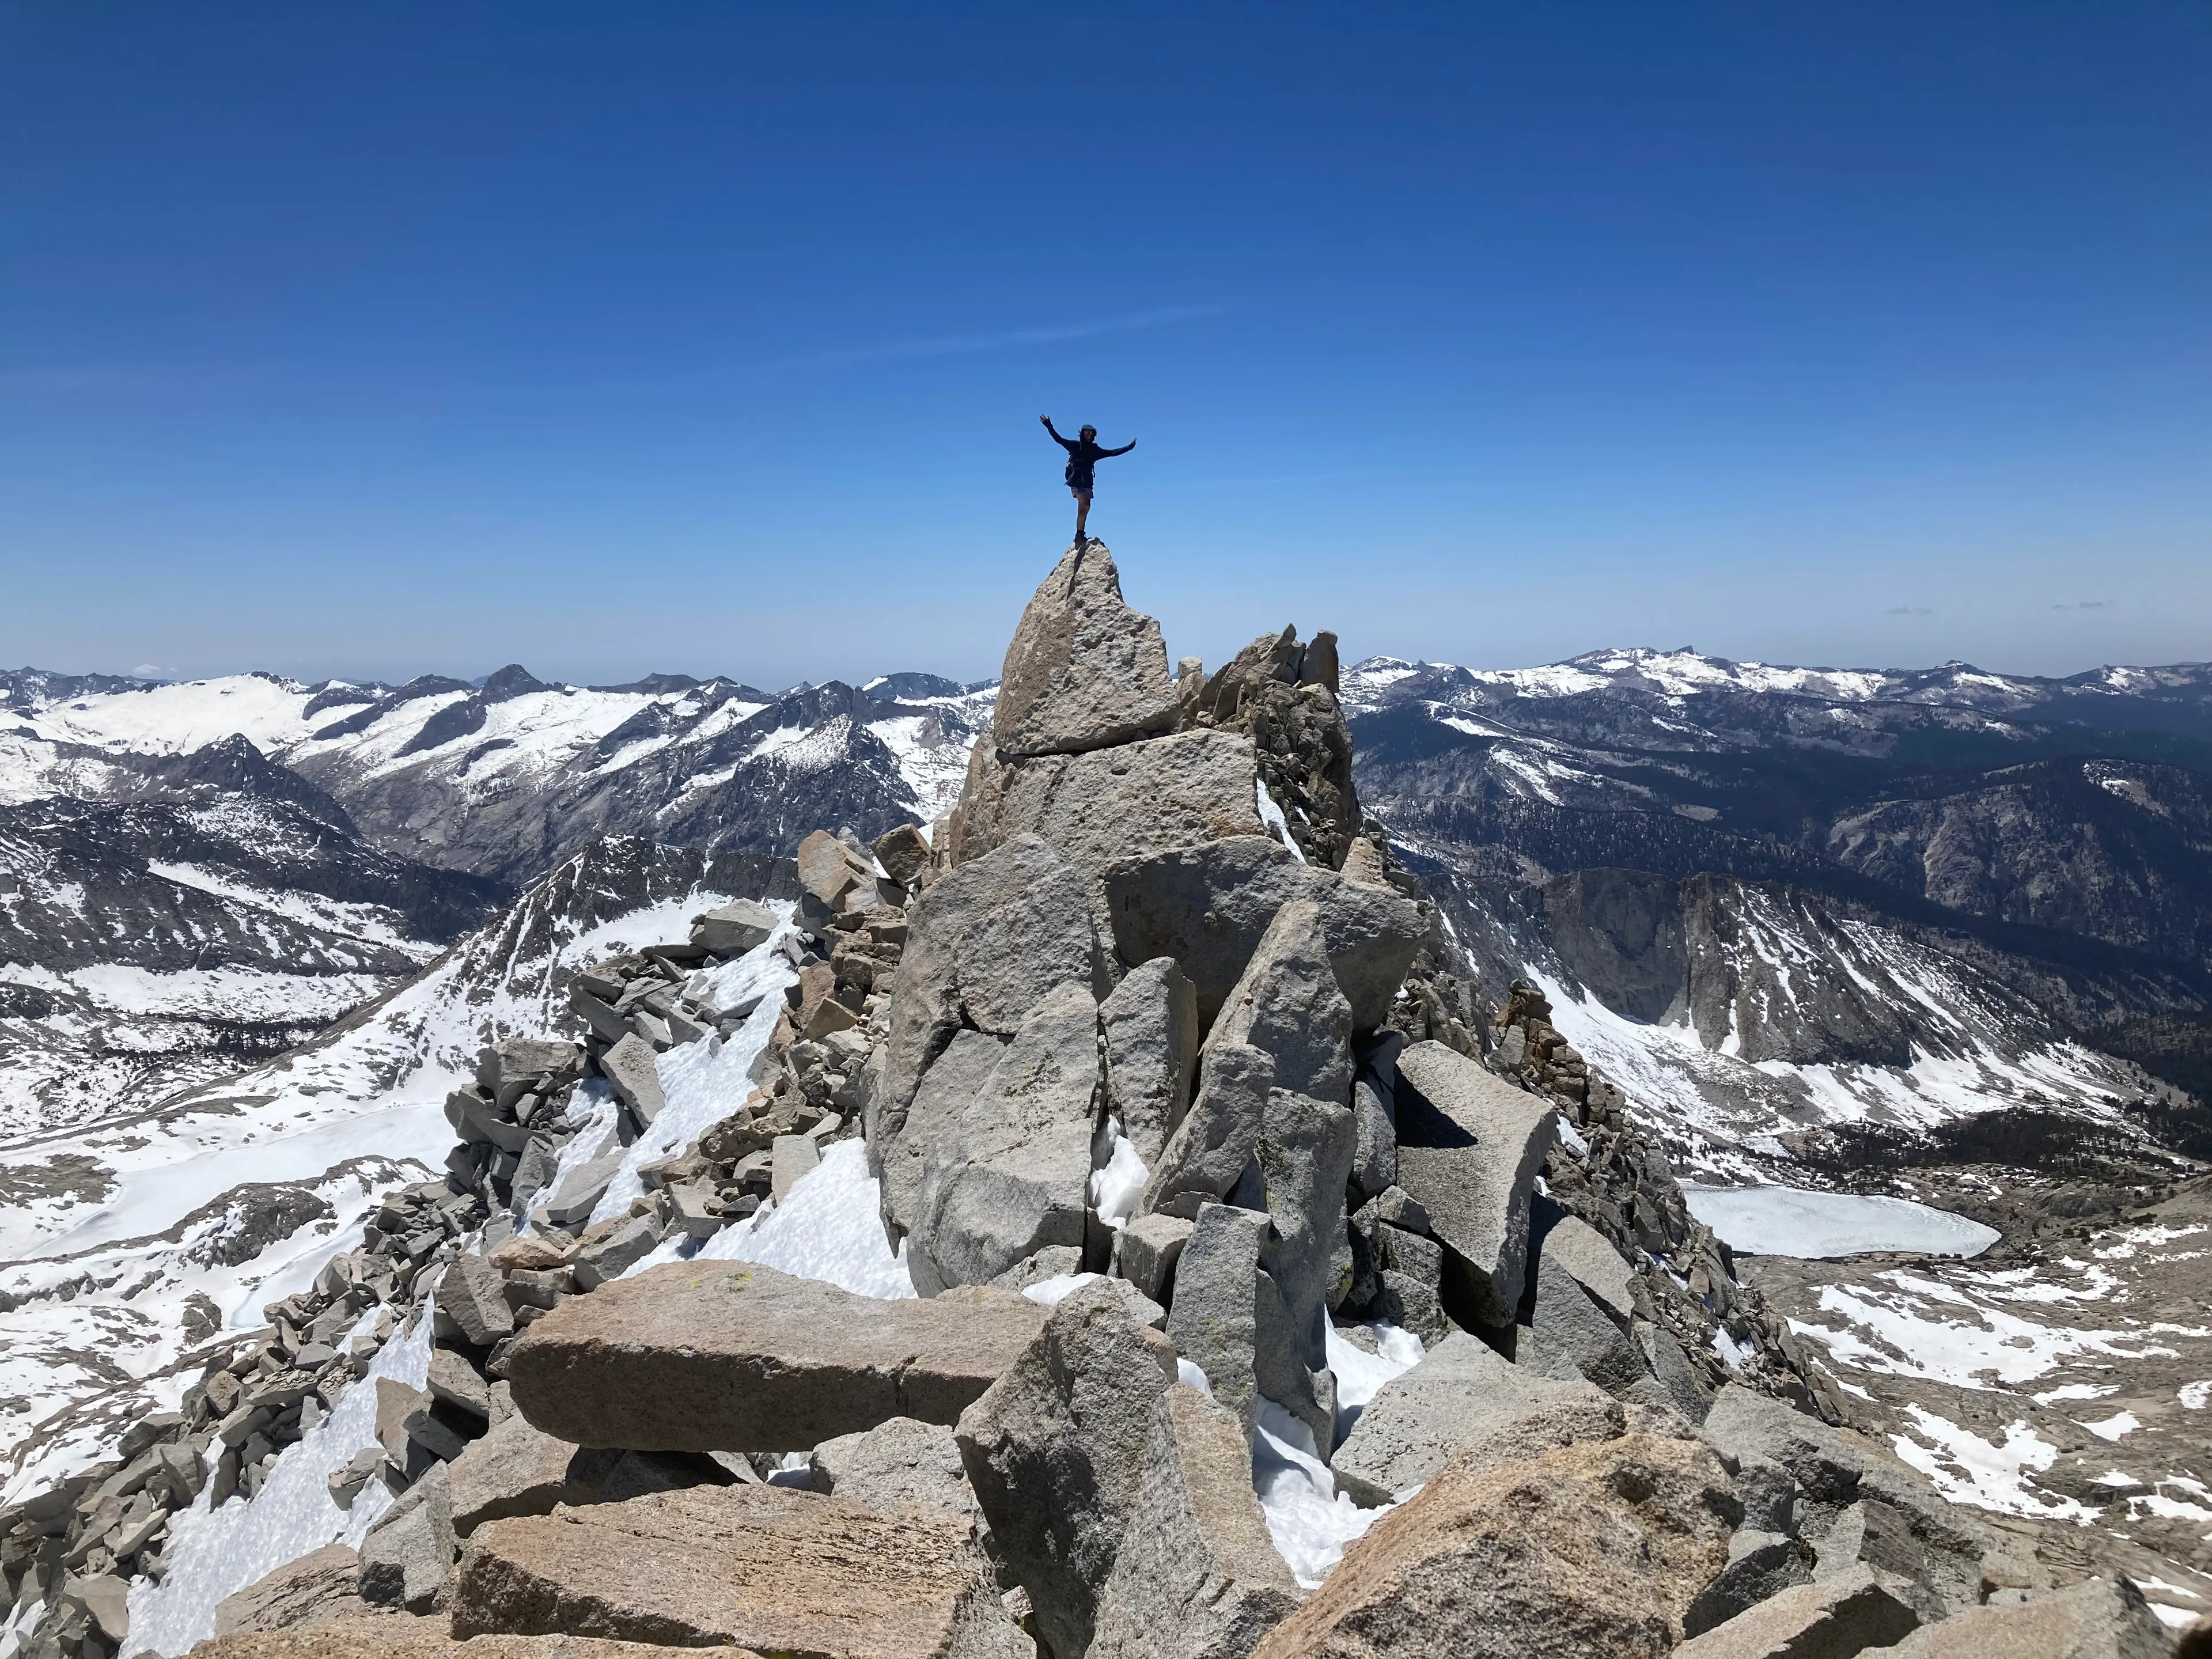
512, 681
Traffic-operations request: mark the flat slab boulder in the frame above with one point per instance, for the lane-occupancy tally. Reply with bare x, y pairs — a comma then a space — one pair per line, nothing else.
1594, 1548
734, 1357
1833, 1619
1463, 1399
401, 1636
636, 1076
736, 928
513, 1058
321, 1587
516, 1469
1470, 1146
1591, 1262
761, 1567
2097, 1618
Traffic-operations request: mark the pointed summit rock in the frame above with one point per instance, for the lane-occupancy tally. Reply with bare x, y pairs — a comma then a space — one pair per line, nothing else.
1085, 670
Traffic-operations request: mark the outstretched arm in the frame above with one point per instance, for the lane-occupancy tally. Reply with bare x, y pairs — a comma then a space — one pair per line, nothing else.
1067, 444
1123, 450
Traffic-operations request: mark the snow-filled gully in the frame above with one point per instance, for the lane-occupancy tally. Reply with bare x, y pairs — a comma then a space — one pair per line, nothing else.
214, 1553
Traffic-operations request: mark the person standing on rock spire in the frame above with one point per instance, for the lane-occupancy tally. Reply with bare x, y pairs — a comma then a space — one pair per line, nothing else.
1083, 454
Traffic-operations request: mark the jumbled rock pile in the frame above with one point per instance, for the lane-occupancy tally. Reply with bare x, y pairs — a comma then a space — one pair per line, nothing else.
1172, 1101
75, 1548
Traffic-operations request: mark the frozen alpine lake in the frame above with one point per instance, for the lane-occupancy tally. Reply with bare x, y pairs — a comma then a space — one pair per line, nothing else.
1790, 1221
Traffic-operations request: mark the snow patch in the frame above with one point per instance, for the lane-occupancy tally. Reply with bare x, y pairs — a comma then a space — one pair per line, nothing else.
1272, 816
372, 923
932, 761
2075, 1391
1309, 1521
1986, 1474
806, 749
704, 1082
1360, 1375
1115, 1188
829, 1226
238, 994
1916, 1327
178, 720
1051, 1292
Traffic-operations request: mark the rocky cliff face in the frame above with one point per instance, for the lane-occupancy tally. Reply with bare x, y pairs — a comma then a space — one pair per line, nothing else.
2115, 850
1094, 1230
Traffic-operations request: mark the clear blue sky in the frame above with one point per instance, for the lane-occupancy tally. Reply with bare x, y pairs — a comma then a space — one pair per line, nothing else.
376, 339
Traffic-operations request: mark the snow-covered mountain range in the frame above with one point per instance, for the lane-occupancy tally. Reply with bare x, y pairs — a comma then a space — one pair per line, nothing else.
1857, 897
507, 778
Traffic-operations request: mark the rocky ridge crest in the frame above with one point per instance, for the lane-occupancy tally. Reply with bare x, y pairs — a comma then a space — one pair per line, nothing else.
1173, 1106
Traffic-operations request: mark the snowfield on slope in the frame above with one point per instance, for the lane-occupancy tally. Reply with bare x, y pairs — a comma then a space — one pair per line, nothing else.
828, 1227
1720, 1115
215, 1553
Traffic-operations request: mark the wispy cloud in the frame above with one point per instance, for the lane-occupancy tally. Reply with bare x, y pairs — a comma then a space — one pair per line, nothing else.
1908, 610
951, 345
132, 379
2085, 604
943, 345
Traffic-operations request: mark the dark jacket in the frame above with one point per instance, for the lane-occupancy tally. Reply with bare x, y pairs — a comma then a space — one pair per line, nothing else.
1082, 455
